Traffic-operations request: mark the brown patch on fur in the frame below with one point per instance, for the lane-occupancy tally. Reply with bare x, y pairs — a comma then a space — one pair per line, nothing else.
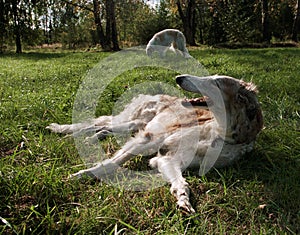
162, 36
167, 99
148, 135
198, 117
203, 115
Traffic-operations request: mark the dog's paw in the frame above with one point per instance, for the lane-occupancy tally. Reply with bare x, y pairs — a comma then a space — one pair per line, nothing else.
54, 127
102, 170
77, 175
91, 140
184, 205
83, 174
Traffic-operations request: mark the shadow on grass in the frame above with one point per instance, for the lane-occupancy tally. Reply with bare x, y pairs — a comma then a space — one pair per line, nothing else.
278, 173
35, 55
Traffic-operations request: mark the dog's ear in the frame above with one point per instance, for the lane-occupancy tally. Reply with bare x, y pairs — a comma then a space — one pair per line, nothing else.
202, 85
149, 50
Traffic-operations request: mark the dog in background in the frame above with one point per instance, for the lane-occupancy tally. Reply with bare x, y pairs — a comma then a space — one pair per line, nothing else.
168, 39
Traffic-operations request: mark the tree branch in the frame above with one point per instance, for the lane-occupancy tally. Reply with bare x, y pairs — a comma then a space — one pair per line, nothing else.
77, 5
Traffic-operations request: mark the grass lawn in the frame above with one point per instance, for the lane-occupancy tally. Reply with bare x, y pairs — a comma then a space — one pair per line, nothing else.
258, 195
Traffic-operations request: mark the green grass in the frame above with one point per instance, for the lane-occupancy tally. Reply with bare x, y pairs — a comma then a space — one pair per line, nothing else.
258, 195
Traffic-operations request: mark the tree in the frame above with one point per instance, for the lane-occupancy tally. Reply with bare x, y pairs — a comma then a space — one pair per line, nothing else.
187, 13
201, 19
138, 28
90, 22
266, 36
296, 22
111, 26
109, 39
17, 24
103, 11
100, 33
126, 21
3, 24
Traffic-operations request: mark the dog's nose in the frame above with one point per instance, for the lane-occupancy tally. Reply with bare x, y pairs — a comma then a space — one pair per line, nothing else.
179, 79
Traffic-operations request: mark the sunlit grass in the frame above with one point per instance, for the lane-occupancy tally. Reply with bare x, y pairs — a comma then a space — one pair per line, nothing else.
258, 195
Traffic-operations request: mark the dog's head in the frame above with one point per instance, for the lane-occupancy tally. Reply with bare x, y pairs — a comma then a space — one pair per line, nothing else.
234, 104
149, 50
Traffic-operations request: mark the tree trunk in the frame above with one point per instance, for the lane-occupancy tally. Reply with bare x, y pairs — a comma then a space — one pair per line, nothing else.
97, 20
266, 36
3, 25
108, 22
111, 25
114, 32
201, 10
18, 40
188, 21
296, 22
17, 30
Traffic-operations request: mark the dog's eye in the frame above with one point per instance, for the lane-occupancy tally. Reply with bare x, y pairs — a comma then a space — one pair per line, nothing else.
251, 113
241, 98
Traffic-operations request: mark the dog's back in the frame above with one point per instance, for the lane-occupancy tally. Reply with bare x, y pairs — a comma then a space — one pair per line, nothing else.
168, 39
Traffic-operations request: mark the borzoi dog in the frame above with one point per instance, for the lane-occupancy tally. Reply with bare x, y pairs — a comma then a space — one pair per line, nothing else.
179, 134
168, 39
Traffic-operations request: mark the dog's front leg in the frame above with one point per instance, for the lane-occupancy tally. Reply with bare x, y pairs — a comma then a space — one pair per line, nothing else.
171, 171
175, 155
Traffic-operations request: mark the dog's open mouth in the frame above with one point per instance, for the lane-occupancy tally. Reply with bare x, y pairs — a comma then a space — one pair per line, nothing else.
201, 101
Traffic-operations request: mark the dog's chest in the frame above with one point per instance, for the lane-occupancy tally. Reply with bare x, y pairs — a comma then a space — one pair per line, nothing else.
176, 117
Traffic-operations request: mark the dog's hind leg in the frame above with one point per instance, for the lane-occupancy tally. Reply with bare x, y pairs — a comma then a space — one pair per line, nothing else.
123, 128
141, 144
68, 128
78, 127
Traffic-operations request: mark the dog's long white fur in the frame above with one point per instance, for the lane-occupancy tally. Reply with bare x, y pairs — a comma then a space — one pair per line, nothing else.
179, 135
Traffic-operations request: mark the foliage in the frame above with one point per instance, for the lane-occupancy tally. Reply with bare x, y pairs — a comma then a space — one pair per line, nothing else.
282, 15
156, 21
257, 195
18, 21
138, 28
78, 23
238, 21
76, 28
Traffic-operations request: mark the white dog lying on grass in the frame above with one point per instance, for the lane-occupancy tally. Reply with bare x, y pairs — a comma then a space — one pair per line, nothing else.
168, 39
177, 133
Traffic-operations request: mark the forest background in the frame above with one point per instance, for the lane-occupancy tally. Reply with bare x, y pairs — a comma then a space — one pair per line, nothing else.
115, 24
